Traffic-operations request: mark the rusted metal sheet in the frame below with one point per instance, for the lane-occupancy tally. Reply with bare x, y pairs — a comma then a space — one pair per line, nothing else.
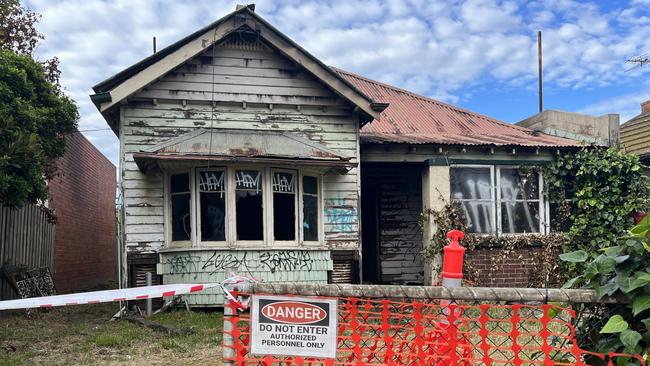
415, 119
243, 146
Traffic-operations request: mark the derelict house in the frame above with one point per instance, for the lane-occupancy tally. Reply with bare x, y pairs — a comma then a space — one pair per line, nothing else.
241, 152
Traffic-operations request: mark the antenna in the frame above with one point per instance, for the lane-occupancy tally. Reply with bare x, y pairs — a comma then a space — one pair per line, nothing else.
539, 66
154, 44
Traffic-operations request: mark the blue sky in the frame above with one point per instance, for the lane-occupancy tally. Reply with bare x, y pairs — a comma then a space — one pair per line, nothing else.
478, 54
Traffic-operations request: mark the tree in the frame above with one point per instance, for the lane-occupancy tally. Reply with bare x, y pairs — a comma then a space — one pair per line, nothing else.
35, 115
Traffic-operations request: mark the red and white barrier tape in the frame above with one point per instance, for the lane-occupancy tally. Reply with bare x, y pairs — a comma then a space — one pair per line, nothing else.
135, 293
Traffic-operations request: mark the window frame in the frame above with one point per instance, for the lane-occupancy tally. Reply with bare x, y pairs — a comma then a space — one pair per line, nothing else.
493, 224
270, 222
319, 200
234, 243
230, 204
167, 207
200, 241
496, 200
540, 201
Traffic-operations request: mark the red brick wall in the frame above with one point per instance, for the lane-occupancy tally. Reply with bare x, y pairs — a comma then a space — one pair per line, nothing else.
486, 268
83, 197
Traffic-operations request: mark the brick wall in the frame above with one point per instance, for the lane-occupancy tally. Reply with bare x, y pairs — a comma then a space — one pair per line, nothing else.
518, 270
83, 196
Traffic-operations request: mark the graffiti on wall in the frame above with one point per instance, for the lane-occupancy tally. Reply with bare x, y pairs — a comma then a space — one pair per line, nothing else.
220, 261
340, 214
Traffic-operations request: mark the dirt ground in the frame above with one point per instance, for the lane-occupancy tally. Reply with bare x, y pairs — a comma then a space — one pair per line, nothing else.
83, 335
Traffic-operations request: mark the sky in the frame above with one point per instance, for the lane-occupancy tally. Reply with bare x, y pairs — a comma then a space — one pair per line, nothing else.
477, 54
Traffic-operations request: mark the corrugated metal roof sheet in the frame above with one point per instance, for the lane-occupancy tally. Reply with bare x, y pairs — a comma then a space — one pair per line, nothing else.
415, 119
242, 145
635, 135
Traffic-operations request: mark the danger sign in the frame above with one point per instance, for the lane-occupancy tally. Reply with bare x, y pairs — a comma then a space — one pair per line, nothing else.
293, 326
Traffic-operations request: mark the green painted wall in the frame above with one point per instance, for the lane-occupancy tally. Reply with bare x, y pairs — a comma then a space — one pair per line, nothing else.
207, 265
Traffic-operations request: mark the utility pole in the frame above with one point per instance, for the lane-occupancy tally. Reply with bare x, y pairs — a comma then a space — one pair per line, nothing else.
539, 64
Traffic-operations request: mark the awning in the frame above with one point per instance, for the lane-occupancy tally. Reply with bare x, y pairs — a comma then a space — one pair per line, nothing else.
244, 146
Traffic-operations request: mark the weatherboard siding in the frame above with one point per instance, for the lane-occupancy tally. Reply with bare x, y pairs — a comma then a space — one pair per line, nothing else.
267, 78
212, 266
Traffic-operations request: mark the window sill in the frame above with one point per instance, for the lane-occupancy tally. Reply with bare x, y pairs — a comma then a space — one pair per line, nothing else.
238, 249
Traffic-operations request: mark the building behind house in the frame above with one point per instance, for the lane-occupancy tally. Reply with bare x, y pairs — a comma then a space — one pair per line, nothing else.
80, 250
635, 134
591, 130
82, 195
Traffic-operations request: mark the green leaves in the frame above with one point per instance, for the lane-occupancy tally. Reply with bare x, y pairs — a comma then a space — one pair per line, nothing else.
577, 256
640, 304
630, 338
638, 279
615, 324
34, 119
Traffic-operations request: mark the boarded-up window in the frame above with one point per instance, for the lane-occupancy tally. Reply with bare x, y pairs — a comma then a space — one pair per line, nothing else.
212, 190
284, 206
180, 202
249, 205
310, 208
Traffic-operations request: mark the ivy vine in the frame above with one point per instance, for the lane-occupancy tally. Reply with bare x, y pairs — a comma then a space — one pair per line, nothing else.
594, 194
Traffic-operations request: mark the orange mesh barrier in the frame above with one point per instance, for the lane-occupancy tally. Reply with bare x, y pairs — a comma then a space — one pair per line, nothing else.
384, 332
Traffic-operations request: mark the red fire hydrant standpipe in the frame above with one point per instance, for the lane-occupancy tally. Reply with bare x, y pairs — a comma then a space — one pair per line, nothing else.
452, 269
452, 260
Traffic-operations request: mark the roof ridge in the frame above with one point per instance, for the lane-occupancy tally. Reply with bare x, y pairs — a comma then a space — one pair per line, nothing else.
429, 99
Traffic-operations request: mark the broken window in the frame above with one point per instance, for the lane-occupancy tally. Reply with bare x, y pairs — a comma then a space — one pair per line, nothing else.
249, 205
284, 206
310, 208
510, 194
180, 206
212, 191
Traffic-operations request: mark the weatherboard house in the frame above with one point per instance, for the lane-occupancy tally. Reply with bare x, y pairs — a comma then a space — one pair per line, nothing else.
240, 152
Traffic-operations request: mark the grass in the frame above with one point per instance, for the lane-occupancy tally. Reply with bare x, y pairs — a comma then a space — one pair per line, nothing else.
83, 335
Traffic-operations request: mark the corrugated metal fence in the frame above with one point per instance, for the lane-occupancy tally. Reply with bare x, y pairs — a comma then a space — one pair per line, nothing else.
26, 238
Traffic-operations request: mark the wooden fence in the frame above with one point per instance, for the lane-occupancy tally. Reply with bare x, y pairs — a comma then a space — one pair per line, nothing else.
26, 239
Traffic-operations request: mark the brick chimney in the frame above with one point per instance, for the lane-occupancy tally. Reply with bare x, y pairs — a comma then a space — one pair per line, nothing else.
645, 106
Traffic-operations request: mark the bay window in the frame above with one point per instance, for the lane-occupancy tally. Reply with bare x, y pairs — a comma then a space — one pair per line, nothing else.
499, 199
249, 206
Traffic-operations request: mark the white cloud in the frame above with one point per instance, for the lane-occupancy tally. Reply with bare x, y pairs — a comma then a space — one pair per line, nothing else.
440, 48
627, 105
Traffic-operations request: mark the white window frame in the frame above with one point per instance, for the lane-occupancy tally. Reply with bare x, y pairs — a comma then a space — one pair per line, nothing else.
540, 200
493, 229
320, 192
199, 241
296, 205
265, 207
231, 216
167, 207
495, 190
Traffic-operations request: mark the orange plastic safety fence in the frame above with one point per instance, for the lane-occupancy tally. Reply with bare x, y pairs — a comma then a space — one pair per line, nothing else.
384, 332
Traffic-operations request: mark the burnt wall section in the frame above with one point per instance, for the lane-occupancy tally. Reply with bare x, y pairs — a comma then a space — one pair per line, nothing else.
82, 195
398, 196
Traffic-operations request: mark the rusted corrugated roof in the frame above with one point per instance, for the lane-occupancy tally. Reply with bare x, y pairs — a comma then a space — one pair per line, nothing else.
415, 119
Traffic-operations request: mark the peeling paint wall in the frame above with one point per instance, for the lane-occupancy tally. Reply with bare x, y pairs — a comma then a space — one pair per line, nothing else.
209, 266
254, 88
